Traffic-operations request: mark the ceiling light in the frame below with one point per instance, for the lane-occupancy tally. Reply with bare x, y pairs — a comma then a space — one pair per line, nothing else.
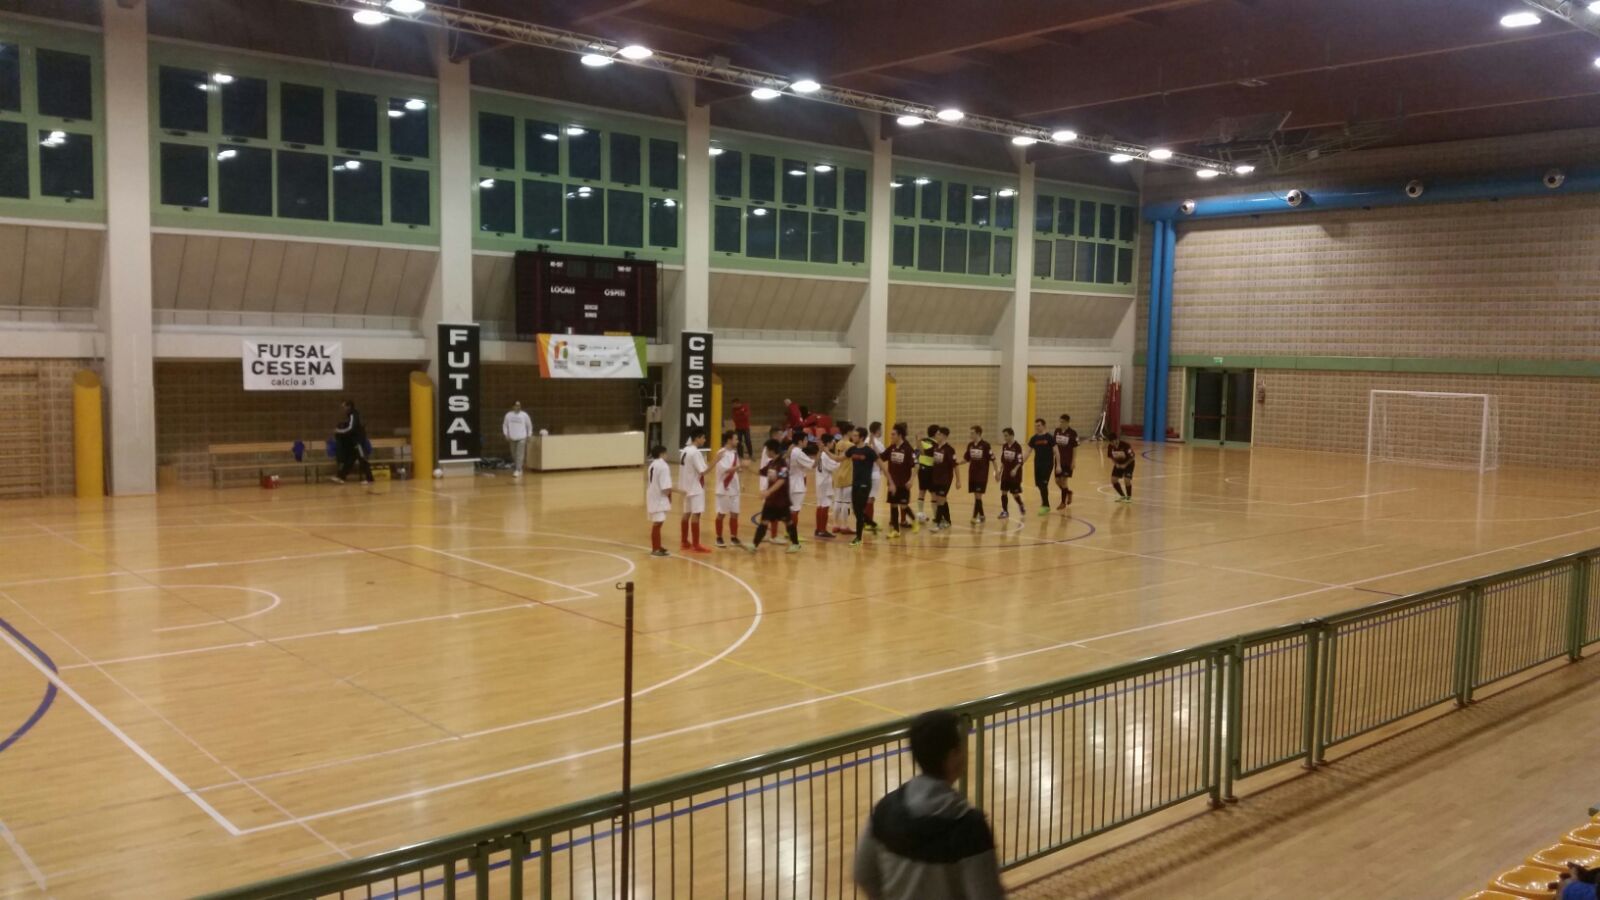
550, 136
635, 52
595, 60
227, 154
1597, 62
950, 114
575, 130
1023, 140
805, 86
799, 172
58, 135
669, 203
1243, 169
908, 121
1206, 173
1519, 19
822, 167
585, 191
1007, 192
369, 17
486, 183
920, 181
414, 104
407, 7
353, 165
396, 113
1120, 158
894, 184
758, 211
1595, 8
765, 93
1063, 136
980, 196
1160, 153
222, 78
717, 151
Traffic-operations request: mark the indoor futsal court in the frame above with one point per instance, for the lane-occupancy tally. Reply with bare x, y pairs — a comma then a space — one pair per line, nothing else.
902, 450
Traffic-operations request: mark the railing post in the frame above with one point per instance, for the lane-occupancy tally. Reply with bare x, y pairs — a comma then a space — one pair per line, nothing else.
480, 871
547, 873
1233, 711
1579, 610
1212, 715
519, 855
1468, 639
979, 763
1308, 715
1330, 668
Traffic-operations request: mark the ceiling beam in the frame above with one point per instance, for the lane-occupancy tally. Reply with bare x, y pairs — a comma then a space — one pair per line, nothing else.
607, 9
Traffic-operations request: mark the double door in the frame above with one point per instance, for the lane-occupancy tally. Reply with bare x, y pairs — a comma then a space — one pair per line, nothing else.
1223, 406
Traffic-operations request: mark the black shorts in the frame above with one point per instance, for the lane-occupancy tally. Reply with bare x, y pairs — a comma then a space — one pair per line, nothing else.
774, 514
942, 488
900, 496
1011, 484
1122, 471
1064, 473
925, 478
978, 488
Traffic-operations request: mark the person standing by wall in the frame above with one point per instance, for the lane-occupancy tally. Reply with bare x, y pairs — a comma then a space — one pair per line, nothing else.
350, 439
741, 427
657, 496
518, 428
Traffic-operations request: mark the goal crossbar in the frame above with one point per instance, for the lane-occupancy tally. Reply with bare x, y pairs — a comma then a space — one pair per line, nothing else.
1485, 456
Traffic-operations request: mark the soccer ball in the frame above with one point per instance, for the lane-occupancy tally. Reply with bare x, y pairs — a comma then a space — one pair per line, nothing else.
438, 473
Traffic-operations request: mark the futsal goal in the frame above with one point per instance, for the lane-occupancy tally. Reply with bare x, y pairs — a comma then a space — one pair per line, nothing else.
1434, 428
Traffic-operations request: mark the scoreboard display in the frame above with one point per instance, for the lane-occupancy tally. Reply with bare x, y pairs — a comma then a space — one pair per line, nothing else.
558, 293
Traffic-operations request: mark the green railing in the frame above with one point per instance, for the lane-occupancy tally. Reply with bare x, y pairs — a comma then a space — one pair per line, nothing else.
1050, 766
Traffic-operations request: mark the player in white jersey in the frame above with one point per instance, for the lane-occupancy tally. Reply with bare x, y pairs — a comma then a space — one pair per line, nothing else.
692, 476
802, 460
875, 441
827, 466
657, 496
726, 475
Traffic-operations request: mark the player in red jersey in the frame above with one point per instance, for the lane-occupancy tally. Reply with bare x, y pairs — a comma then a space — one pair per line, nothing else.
1066, 445
775, 505
1011, 456
1042, 448
901, 457
1120, 452
945, 477
979, 455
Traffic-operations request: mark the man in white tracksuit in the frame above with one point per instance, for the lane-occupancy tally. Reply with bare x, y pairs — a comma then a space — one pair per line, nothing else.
517, 427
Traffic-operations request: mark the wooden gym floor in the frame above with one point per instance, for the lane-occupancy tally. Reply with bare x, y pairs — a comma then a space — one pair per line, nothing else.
205, 688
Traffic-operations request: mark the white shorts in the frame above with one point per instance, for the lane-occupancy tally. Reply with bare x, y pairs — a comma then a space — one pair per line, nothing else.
727, 504
658, 518
694, 503
796, 501
824, 495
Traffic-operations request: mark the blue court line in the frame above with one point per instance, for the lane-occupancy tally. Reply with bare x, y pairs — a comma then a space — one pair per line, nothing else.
49, 691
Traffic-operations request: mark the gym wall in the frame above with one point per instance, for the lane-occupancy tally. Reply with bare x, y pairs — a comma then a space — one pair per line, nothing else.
765, 387
564, 406
957, 397
36, 425
204, 403
1077, 391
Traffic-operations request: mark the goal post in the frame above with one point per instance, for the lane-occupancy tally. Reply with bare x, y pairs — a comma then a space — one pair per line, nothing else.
1434, 428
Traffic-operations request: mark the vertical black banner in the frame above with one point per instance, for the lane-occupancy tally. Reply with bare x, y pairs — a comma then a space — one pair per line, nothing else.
695, 357
460, 436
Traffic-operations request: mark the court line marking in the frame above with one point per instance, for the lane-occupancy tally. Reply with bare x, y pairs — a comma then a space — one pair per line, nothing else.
587, 595
631, 566
28, 865
276, 601
182, 568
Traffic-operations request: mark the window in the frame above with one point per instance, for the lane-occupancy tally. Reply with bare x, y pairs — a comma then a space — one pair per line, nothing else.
1108, 222
625, 163
978, 252
725, 229
726, 226
356, 118
1041, 258
730, 174
302, 185
541, 210
1086, 256
664, 222
956, 204
357, 191
497, 142
905, 200
794, 182
982, 197
244, 180
794, 231
66, 86
497, 206
586, 213
905, 246
244, 108
408, 129
13, 160
930, 241
185, 175
66, 166
10, 77
1065, 255
932, 192
410, 200
1104, 259
855, 191
664, 165
1067, 222
1044, 213
763, 178
1005, 210
1086, 219
583, 153
761, 233
855, 241
300, 114
1127, 224
825, 187
824, 238
1124, 265
182, 96
955, 250
542, 142
1001, 257
625, 219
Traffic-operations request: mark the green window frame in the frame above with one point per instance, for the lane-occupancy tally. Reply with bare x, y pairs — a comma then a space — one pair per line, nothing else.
52, 166
788, 206
953, 225
291, 149
1086, 239
575, 180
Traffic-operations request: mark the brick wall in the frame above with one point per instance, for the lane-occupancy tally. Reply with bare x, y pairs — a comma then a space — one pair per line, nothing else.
819, 388
954, 396
203, 403
564, 406
37, 447
1077, 391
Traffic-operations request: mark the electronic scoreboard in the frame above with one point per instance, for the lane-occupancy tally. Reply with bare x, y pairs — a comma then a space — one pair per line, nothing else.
558, 293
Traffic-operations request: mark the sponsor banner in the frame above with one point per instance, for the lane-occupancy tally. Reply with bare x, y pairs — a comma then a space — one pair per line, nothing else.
591, 356
284, 365
695, 358
460, 434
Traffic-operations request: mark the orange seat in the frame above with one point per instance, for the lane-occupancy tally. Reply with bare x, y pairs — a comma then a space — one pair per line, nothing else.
1584, 835
1527, 881
1556, 856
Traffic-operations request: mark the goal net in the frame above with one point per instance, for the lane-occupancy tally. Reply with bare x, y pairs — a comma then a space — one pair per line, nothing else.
1434, 428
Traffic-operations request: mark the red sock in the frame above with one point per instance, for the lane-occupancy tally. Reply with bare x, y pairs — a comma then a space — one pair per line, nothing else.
822, 518
719, 527
696, 529
655, 536
683, 526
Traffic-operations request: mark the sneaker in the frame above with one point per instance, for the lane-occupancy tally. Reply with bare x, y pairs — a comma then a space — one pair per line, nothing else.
793, 548
750, 547
1044, 511
1006, 514
659, 553
516, 474
699, 549
722, 544
336, 479
916, 526
976, 520
982, 519
824, 535
894, 534
734, 541
872, 528
855, 544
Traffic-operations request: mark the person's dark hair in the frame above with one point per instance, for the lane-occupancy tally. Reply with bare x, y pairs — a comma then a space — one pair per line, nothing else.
1008, 432
773, 447
774, 430
978, 429
875, 427
809, 448
933, 430
944, 431
1038, 421
845, 427
730, 437
696, 432
736, 399
861, 432
657, 451
900, 429
348, 404
1066, 418
934, 736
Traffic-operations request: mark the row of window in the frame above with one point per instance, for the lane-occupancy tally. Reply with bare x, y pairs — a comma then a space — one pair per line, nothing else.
63, 83
766, 178
576, 213
957, 251
65, 162
794, 235
44, 148
934, 200
1085, 262
291, 184
1071, 217
576, 151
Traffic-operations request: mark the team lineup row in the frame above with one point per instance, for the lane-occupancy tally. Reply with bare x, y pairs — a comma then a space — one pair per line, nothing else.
849, 468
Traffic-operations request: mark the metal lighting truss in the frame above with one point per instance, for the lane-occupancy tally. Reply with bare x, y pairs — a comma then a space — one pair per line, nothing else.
532, 35
1576, 14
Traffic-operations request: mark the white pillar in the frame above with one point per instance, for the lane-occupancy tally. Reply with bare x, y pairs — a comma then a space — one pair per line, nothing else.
689, 307
1011, 335
125, 285
869, 330
450, 294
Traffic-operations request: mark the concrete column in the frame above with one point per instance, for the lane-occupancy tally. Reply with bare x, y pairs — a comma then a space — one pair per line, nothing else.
689, 307
869, 330
125, 285
1011, 335
450, 294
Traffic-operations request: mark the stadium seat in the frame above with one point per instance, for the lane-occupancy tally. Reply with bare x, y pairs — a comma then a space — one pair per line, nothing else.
1584, 835
1556, 856
1527, 881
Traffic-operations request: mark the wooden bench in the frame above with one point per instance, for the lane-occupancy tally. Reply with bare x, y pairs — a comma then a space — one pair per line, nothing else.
271, 457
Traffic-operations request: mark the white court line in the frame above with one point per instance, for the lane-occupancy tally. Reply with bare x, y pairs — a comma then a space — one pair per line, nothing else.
182, 568
1352, 497
587, 594
276, 601
613, 579
28, 865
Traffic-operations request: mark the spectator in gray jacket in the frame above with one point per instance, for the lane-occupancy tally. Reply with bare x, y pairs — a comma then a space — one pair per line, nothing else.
517, 428
924, 841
